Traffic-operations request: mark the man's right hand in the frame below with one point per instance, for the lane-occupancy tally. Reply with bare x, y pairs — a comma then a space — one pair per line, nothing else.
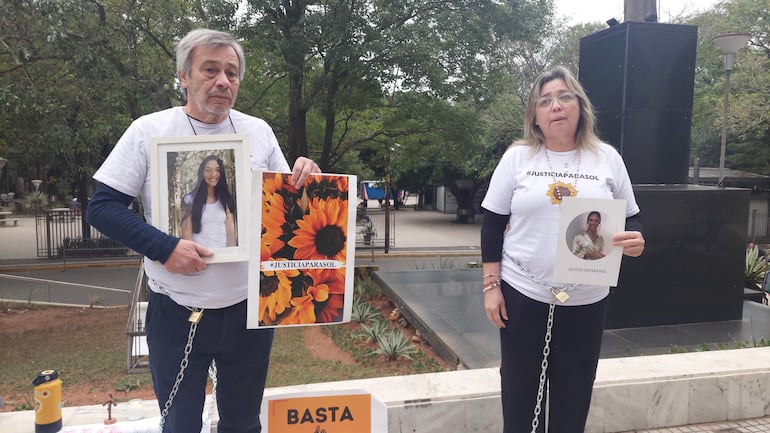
187, 258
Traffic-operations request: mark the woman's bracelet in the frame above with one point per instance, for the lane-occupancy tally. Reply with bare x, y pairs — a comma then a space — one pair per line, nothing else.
491, 286
490, 275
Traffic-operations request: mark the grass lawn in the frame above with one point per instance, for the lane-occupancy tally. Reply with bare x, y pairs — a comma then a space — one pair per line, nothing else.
88, 347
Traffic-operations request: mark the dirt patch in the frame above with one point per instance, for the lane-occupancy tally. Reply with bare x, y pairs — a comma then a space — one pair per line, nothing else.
321, 346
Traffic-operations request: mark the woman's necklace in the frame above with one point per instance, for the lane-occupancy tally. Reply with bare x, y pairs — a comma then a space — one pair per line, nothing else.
189, 120
558, 189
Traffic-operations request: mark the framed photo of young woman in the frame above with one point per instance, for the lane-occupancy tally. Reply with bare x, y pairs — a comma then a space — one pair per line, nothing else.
201, 190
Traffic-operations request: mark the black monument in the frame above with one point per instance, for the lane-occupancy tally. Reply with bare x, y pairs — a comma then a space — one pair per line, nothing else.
639, 76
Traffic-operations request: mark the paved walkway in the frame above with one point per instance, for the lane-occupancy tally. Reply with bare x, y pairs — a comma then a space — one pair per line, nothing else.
18, 243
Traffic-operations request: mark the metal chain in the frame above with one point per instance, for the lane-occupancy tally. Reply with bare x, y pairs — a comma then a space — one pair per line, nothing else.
180, 375
537, 280
543, 369
183, 366
213, 376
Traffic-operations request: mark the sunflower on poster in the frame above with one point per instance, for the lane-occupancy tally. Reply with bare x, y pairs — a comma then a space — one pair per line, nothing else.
305, 224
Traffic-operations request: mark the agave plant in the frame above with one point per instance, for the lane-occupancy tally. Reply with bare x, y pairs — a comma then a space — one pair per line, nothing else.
393, 344
366, 288
756, 267
37, 201
363, 311
373, 332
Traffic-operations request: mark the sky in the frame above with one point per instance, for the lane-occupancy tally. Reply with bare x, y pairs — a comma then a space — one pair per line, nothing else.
580, 11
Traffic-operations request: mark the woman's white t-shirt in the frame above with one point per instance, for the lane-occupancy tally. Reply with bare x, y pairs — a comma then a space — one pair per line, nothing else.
519, 187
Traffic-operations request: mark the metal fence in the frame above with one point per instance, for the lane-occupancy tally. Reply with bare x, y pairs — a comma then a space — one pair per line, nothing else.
376, 219
59, 234
137, 352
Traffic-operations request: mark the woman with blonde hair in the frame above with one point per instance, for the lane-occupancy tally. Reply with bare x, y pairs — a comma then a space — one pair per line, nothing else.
550, 334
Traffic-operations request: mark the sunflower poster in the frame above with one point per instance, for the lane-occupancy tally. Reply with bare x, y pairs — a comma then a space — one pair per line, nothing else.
302, 250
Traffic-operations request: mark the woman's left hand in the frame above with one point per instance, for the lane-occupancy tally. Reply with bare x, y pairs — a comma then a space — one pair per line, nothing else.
632, 243
303, 168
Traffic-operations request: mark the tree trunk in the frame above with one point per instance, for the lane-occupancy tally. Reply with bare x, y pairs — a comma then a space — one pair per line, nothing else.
331, 117
297, 133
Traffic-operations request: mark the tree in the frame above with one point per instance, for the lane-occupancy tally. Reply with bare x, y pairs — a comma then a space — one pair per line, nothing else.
338, 78
75, 73
748, 143
344, 60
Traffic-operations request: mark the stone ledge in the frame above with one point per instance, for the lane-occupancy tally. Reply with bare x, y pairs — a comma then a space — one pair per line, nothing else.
629, 393
677, 389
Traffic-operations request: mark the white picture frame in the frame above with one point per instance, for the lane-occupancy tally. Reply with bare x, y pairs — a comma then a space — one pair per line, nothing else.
175, 165
569, 267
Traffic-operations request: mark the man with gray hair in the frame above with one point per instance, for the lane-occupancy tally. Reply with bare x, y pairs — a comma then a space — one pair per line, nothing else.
197, 312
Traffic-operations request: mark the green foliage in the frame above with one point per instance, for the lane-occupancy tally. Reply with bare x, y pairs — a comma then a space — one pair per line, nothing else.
345, 82
354, 68
363, 312
349, 342
423, 363
706, 347
289, 346
24, 405
365, 288
443, 263
756, 267
373, 332
393, 344
69, 347
76, 73
37, 201
129, 383
676, 349
748, 117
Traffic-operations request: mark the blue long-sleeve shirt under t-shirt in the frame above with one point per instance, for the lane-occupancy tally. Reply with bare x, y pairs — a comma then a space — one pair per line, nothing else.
108, 212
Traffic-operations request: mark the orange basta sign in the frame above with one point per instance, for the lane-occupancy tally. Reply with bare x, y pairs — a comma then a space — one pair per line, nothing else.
320, 414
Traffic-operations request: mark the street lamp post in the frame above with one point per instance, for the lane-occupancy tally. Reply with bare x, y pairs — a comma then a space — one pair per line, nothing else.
387, 205
729, 44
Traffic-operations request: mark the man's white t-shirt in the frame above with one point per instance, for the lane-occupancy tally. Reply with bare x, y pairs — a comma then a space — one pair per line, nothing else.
127, 169
519, 187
